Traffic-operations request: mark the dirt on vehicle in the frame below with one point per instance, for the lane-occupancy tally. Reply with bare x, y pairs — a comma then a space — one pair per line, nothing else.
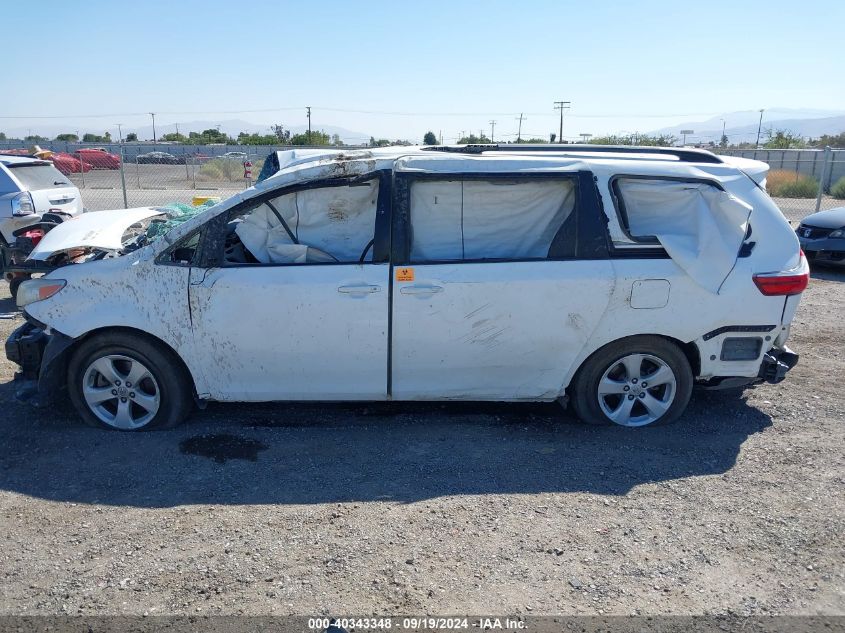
438, 508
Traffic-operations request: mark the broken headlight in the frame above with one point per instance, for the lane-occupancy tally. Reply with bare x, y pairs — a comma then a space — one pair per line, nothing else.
33, 290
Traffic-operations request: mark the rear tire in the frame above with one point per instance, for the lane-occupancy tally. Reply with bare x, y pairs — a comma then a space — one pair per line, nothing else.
120, 381
613, 385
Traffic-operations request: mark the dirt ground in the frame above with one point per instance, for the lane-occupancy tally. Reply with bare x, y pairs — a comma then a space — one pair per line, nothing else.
411, 509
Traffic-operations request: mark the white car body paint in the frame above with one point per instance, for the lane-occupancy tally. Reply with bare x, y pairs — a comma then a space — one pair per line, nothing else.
101, 230
498, 331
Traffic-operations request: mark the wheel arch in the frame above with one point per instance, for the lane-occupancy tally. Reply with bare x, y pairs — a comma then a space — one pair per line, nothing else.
689, 349
52, 378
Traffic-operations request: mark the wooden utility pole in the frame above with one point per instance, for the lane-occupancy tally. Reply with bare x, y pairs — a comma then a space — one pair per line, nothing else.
561, 105
308, 108
492, 129
520, 118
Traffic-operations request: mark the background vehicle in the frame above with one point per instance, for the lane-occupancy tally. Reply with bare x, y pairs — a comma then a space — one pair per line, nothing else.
159, 158
69, 164
615, 278
98, 158
822, 236
29, 188
234, 155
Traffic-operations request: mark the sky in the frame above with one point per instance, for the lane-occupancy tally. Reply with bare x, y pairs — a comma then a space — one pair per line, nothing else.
397, 69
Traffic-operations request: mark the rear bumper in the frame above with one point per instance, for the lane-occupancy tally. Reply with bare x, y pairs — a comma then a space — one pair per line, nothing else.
773, 368
776, 362
42, 359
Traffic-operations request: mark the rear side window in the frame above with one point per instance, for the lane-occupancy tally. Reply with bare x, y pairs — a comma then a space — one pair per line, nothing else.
35, 177
472, 220
651, 207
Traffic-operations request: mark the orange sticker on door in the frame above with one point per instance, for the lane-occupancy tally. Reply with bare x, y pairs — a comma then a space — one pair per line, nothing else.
404, 274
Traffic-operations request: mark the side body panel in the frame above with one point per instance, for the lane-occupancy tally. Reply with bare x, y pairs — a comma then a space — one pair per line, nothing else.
494, 331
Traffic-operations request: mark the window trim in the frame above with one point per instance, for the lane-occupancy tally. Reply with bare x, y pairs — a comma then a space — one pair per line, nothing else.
647, 246
215, 238
585, 206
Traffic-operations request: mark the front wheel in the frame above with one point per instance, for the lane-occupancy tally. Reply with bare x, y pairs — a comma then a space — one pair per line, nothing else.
637, 381
123, 382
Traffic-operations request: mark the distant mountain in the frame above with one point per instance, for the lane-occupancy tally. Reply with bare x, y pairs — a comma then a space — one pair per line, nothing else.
742, 126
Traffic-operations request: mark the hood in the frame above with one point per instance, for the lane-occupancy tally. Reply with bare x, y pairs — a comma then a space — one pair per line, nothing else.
830, 219
96, 230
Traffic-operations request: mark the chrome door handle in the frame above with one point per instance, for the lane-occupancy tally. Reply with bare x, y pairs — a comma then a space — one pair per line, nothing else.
364, 289
420, 290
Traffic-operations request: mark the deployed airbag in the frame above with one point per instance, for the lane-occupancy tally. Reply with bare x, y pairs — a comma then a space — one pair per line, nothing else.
700, 226
487, 219
339, 221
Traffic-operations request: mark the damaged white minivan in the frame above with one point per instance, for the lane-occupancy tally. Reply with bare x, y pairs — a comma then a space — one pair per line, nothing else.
614, 279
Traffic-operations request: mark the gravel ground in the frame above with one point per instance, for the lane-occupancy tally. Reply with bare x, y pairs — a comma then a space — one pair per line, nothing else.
424, 508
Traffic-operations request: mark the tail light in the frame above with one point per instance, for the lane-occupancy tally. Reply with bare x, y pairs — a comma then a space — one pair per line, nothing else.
22, 204
784, 283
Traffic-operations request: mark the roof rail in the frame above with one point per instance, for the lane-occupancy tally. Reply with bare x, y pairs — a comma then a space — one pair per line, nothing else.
686, 155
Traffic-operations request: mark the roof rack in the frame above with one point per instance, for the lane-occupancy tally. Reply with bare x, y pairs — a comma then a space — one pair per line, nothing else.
684, 154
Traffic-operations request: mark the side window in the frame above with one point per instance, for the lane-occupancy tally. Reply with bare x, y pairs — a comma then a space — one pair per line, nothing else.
472, 220
311, 226
648, 208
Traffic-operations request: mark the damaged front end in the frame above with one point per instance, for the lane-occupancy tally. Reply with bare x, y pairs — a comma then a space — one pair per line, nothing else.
102, 234
40, 352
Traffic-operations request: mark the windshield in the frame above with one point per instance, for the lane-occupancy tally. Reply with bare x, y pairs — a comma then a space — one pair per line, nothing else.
36, 177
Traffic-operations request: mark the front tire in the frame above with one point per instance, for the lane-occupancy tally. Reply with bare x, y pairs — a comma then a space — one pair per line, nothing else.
636, 381
124, 382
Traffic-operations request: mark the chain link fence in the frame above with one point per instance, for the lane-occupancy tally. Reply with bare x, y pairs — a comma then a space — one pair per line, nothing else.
125, 178
801, 182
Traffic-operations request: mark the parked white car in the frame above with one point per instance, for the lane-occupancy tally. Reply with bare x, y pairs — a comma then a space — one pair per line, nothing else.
29, 188
612, 278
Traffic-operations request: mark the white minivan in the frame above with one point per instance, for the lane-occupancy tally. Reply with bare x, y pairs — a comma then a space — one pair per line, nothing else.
613, 279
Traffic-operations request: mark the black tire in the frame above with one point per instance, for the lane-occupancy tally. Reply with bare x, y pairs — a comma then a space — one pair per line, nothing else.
584, 390
14, 284
171, 382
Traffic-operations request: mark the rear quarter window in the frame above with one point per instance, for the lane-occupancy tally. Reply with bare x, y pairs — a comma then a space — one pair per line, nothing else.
36, 177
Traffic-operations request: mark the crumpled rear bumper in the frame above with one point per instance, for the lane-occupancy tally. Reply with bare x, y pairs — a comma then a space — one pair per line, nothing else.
41, 357
776, 362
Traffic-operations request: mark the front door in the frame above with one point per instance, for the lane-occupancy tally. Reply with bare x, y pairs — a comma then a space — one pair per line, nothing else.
298, 308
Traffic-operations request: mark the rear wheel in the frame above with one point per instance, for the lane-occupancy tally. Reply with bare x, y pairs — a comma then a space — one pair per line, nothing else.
637, 381
123, 382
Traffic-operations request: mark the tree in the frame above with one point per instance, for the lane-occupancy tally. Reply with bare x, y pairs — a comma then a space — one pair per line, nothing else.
131, 137
209, 136
257, 139
535, 141
472, 139
783, 139
552, 137
430, 139
648, 140
35, 138
67, 137
318, 137
173, 137
836, 140
88, 137
723, 142
282, 135
2, 136
336, 140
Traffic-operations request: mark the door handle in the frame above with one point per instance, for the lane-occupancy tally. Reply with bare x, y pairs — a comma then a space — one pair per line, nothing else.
420, 290
364, 289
